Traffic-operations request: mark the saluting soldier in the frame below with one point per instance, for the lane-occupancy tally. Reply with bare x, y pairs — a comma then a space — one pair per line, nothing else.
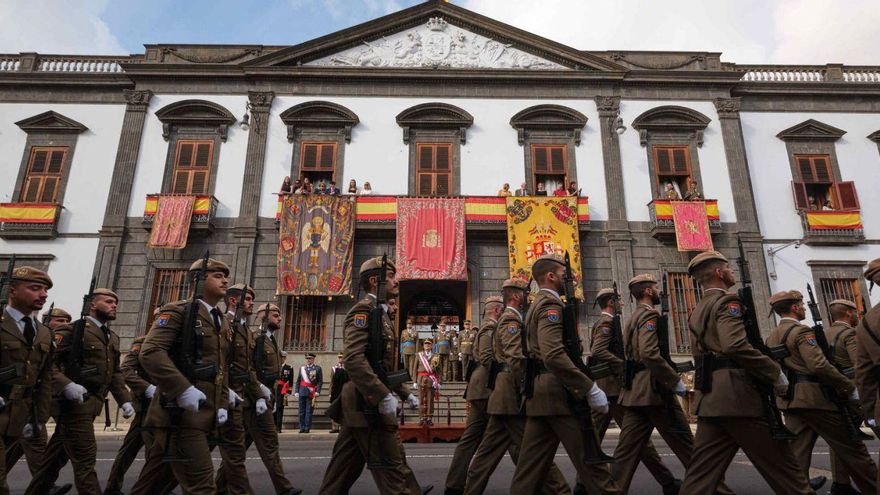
427, 380
477, 395
506, 425
202, 398
361, 440
868, 354
443, 346
409, 343
603, 352
550, 418
82, 390
730, 412
809, 407
467, 337
26, 345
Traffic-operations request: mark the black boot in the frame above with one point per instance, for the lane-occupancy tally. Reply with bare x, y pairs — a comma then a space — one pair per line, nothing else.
817, 482
60, 489
448, 491
672, 488
579, 489
842, 489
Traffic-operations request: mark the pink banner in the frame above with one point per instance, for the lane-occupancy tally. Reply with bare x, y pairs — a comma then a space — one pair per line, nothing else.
171, 223
691, 226
431, 239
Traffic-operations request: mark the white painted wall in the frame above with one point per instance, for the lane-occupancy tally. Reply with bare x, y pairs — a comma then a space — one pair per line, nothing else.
634, 157
154, 151
857, 156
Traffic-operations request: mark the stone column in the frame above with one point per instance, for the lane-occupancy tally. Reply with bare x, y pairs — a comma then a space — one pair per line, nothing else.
251, 188
749, 232
618, 233
113, 229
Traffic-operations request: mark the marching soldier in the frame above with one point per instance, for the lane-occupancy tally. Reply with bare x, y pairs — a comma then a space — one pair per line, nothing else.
87, 361
467, 337
603, 352
27, 355
868, 354
550, 418
367, 407
729, 408
506, 425
427, 380
308, 387
809, 407
443, 347
477, 395
410, 340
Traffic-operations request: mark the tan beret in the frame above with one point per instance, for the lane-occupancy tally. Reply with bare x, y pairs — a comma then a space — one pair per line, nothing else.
607, 291
642, 278
493, 299
551, 257
31, 274
376, 264
843, 302
873, 269
59, 313
786, 296
105, 292
340, 355
213, 266
704, 257
243, 288
514, 283
270, 307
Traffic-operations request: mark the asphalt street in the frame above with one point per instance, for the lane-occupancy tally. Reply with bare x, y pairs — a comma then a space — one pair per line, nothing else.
306, 456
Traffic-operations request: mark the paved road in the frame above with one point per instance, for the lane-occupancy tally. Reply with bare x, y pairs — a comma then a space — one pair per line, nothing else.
306, 457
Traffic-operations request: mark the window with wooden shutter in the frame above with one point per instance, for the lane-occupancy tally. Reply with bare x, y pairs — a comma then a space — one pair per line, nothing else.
845, 193
814, 169
684, 294
305, 323
317, 162
169, 285
672, 165
44, 173
799, 191
842, 288
549, 166
434, 169
192, 167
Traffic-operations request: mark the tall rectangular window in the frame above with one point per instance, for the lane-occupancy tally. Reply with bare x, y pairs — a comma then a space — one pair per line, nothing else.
684, 294
305, 323
45, 169
434, 169
816, 189
317, 162
842, 288
168, 286
549, 167
672, 165
192, 167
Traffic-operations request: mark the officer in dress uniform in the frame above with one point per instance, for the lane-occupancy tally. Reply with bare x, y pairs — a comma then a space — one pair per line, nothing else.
808, 407
364, 440
603, 353
466, 338
202, 400
427, 380
409, 347
730, 412
443, 347
82, 391
27, 344
506, 425
868, 354
308, 386
477, 395
550, 419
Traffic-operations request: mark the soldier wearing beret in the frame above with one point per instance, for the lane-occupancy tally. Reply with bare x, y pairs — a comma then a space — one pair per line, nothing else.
477, 395
81, 390
504, 430
27, 352
603, 352
443, 348
808, 407
550, 419
731, 415
362, 440
868, 354
409, 347
466, 339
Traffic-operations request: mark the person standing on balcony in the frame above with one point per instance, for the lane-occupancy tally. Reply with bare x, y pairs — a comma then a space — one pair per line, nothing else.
522, 191
541, 190
352, 187
560, 190
693, 191
308, 388
670, 193
504, 191
367, 190
573, 189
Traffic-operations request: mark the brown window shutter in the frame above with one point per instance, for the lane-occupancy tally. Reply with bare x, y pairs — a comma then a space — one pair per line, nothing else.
443, 158
328, 156
50, 187
309, 156
557, 159
799, 191
203, 155
442, 184
56, 162
663, 164
806, 169
185, 154
846, 196
679, 160
426, 158
31, 189
199, 183
181, 182
38, 162
540, 158
425, 183
823, 172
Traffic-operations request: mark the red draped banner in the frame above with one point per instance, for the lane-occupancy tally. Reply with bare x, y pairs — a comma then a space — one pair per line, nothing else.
431, 239
691, 226
171, 223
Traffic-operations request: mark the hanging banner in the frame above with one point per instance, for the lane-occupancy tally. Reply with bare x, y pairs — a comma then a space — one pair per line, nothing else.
171, 222
691, 226
316, 245
537, 226
431, 239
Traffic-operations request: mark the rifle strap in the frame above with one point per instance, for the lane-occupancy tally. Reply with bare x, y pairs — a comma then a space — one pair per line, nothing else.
870, 331
785, 335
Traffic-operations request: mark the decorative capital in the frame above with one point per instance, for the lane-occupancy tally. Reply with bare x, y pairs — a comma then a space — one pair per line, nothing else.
728, 107
261, 100
137, 99
608, 105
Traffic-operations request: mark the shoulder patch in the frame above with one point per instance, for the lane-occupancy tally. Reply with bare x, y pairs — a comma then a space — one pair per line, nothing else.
553, 315
163, 319
135, 348
59, 337
735, 309
605, 330
651, 325
810, 338
360, 320
512, 328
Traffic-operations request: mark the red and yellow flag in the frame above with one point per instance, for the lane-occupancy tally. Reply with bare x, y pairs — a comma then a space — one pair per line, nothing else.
691, 226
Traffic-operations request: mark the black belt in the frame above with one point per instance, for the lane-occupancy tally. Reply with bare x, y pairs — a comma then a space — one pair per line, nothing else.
639, 367
723, 363
6, 391
805, 378
504, 367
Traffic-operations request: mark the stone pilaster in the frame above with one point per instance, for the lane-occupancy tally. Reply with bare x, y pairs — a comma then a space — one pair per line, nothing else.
113, 229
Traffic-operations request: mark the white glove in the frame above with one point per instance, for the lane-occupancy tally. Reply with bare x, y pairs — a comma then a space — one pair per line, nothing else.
74, 391
413, 386
413, 401
855, 396
317, 393
222, 416
2, 403
296, 395
680, 389
150, 391
781, 384
597, 400
30, 430
127, 410
234, 398
266, 392
190, 398
872, 422
388, 406
261, 407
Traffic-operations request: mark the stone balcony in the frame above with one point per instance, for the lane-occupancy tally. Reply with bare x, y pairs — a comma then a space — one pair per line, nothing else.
203, 215
29, 220
663, 225
832, 227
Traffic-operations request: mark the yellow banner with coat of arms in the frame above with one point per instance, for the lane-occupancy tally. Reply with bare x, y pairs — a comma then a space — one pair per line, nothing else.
543, 225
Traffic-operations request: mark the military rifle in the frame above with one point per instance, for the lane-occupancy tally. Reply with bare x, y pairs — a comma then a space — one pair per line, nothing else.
531, 369
573, 348
753, 335
238, 376
13, 371
74, 368
668, 396
47, 316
